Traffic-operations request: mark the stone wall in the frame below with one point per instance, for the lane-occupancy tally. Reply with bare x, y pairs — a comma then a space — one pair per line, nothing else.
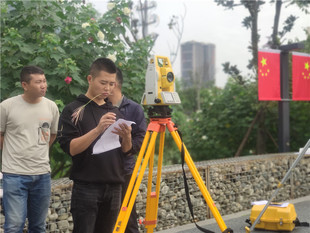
232, 183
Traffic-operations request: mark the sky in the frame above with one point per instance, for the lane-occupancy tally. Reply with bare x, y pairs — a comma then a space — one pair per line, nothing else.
206, 22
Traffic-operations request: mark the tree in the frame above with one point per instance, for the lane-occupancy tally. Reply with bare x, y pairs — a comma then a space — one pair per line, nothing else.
216, 130
250, 22
230, 116
64, 37
176, 24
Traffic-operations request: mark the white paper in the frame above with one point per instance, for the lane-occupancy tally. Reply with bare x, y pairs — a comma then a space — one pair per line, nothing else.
108, 140
264, 202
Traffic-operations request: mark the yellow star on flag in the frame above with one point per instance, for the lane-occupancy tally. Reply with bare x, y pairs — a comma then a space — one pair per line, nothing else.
264, 61
307, 66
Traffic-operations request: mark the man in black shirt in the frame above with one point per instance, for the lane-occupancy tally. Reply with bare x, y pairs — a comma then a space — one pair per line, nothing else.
96, 193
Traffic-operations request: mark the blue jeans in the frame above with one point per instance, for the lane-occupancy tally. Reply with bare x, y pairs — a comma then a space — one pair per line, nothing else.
95, 207
26, 196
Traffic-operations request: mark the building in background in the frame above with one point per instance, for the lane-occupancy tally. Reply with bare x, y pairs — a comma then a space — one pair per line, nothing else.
198, 64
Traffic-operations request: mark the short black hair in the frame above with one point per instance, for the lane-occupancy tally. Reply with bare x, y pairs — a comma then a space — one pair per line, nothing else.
119, 76
29, 70
102, 64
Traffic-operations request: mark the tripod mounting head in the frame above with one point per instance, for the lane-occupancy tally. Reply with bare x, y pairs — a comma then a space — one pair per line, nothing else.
159, 112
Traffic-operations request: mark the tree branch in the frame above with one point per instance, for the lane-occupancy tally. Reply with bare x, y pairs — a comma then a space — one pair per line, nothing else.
246, 136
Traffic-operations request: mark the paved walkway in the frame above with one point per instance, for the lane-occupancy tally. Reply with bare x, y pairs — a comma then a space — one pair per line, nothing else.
237, 221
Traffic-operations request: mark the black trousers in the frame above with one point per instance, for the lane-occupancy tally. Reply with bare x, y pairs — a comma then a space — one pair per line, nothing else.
132, 225
95, 207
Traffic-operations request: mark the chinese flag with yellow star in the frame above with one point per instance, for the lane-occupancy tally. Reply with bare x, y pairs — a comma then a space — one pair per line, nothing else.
269, 74
301, 76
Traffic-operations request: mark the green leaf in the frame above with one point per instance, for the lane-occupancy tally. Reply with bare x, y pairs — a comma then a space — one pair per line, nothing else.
26, 48
40, 60
56, 56
75, 91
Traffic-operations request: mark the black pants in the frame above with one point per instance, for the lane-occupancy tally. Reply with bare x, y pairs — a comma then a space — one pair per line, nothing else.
95, 207
132, 225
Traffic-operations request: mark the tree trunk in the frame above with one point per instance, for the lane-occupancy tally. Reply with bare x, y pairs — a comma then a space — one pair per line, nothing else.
261, 135
275, 42
253, 7
246, 137
254, 35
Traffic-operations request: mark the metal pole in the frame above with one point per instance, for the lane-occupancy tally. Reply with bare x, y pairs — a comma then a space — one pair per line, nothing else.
283, 106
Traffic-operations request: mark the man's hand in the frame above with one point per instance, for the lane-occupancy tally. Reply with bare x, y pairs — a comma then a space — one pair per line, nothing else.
80, 144
124, 131
105, 121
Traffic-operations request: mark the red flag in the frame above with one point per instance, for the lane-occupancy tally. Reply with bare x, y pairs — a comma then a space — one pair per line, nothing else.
269, 75
301, 76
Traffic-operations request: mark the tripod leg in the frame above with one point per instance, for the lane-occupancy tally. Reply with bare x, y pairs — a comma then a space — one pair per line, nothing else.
134, 183
137, 166
149, 221
153, 197
160, 163
200, 183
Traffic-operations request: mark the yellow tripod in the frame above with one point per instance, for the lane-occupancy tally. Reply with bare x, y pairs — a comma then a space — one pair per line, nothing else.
159, 125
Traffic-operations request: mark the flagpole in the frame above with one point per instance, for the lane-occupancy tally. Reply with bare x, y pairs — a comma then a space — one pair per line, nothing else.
283, 106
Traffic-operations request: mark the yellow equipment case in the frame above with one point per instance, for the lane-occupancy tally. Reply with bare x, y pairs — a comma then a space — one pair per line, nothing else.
275, 218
